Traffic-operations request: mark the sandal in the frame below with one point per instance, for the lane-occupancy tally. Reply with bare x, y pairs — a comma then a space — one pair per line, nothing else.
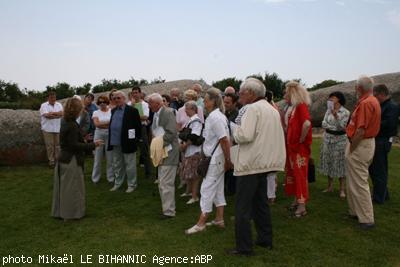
195, 229
300, 214
220, 224
292, 206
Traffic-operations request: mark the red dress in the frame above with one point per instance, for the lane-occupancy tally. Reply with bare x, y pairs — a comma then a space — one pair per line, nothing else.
298, 154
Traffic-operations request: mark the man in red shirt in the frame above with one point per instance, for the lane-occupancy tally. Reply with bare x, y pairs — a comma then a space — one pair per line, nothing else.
363, 127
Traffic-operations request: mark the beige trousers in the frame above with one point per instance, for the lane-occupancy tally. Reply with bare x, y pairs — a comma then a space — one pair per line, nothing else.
166, 186
52, 142
358, 193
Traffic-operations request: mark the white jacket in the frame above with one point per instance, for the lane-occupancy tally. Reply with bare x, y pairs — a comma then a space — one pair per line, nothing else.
261, 142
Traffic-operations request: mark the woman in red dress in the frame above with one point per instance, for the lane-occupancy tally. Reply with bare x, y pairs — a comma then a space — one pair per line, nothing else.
298, 145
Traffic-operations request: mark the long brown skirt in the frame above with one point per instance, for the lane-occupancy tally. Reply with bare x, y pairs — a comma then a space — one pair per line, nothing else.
69, 191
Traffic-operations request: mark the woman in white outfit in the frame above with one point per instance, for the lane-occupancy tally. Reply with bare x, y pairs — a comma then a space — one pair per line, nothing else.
217, 146
101, 119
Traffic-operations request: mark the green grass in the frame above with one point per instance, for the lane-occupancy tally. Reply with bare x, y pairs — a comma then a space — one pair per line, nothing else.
120, 223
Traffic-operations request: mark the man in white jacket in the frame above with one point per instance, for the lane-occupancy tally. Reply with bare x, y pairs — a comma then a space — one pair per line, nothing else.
261, 150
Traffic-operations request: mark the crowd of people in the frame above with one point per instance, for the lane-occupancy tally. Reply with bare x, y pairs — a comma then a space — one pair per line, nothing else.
232, 142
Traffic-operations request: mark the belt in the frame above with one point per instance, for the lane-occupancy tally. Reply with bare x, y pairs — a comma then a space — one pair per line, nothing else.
335, 132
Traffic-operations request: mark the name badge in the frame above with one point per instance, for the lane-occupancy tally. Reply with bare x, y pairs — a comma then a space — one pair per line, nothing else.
131, 133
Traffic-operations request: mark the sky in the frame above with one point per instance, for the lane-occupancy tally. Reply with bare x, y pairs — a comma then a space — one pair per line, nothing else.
43, 42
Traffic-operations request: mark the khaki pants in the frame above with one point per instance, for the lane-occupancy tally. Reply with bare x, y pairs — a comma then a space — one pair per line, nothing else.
166, 186
52, 142
358, 193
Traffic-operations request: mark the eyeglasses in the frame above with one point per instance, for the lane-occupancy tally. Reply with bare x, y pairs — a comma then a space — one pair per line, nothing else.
101, 102
117, 98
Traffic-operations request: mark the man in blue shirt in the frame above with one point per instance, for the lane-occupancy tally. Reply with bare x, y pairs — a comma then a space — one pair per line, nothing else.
124, 133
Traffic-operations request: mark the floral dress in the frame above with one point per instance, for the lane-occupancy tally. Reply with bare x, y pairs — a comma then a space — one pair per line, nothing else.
334, 143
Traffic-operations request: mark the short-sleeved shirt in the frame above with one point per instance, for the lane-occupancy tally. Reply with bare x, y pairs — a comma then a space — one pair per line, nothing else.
196, 126
103, 117
50, 125
366, 115
182, 118
215, 128
143, 109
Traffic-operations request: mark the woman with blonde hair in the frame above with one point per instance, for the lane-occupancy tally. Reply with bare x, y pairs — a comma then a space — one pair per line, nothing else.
69, 186
298, 145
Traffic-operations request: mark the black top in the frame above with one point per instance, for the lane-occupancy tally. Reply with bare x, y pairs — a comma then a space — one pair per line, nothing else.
131, 120
72, 144
231, 115
176, 104
389, 119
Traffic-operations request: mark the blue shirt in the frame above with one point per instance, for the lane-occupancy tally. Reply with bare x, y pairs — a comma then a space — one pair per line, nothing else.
116, 126
90, 109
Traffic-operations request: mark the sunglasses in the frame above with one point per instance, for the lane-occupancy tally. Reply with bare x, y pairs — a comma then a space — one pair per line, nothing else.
102, 102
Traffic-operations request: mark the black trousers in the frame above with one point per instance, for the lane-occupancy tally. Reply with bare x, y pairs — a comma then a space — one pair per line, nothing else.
230, 183
251, 203
378, 170
144, 148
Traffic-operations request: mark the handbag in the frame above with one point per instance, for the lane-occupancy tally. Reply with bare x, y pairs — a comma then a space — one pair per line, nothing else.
186, 133
311, 171
204, 162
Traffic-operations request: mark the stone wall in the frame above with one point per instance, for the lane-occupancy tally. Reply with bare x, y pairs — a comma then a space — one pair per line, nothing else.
21, 140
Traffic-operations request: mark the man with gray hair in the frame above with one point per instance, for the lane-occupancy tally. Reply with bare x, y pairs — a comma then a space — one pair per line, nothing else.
124, 133
164, 125
361, 132
261, 143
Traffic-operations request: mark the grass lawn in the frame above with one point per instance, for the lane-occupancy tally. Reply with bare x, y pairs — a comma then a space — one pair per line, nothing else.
124, 224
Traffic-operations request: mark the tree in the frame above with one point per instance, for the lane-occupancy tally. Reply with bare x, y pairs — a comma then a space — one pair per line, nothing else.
63, 90
10, 92
272, 82
222, 84
83, 90
324, 84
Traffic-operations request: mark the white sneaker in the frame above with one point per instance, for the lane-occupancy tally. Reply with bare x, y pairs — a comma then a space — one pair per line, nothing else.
192, 200
195, 229
130, 189
157, 181
186, 195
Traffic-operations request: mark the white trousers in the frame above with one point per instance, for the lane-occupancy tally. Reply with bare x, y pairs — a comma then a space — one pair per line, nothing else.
212, 188
98, 157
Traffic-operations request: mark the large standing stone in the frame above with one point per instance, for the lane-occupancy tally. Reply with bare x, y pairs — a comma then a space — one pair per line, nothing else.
319, 97
21, 140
